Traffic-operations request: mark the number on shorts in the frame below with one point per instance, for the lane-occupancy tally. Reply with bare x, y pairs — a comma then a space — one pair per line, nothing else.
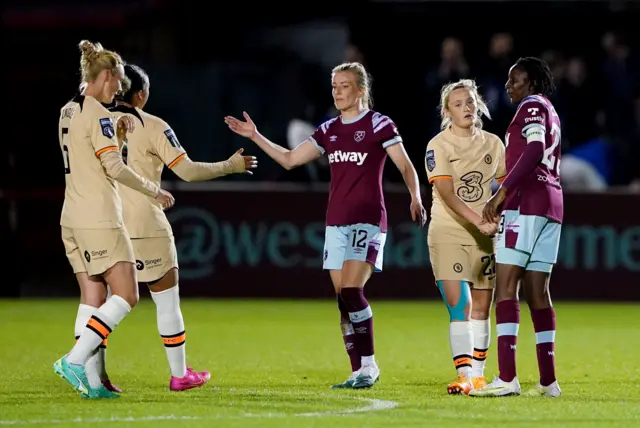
359, 238
65, 152
489, 265
501, 225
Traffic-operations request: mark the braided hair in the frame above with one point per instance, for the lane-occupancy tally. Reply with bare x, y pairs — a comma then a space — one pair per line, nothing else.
539, 74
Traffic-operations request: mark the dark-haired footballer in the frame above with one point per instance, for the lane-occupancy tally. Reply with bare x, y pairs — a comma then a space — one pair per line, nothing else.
530, 199
150, 147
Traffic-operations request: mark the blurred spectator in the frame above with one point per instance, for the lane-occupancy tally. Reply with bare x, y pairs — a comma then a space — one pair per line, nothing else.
453, 65
494, 76
579, 105
620, 82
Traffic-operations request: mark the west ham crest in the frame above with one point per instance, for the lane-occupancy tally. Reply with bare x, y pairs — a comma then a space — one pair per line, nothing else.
359, 136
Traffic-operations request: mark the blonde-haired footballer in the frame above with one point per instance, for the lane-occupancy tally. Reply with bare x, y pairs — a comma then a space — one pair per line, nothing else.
95, 240
461, 163
150, 147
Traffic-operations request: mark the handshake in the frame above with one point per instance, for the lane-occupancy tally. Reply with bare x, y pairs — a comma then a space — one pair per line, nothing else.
486, 228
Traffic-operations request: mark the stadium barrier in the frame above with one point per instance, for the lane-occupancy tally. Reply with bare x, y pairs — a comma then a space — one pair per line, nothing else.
266, 240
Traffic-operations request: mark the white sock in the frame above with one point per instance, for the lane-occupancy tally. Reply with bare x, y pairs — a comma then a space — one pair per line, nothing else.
368, 361
101, 361
102, 350
91, 367
100, 325
481, 339
171, 329
461, 340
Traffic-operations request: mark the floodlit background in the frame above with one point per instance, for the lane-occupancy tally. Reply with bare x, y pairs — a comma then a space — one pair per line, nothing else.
261, 237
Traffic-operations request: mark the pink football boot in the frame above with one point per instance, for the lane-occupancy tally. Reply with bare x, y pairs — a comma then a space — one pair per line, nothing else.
111, 387
191, 380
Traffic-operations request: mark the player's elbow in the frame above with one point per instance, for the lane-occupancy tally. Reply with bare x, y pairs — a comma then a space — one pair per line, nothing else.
186, 177
406, 169
184, 169
289, 161
112, 163
444, 188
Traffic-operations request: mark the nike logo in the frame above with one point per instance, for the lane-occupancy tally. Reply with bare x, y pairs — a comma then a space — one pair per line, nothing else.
453, 160
491, 278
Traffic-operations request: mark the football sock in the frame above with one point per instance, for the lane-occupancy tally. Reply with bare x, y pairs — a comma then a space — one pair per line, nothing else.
508, 323
544, 324
91, 367
481, 337
171, 329
98, 328
361, 317
461, 341
348, 335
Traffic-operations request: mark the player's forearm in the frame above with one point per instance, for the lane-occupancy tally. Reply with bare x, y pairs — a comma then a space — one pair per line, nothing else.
525, 165
410, 177
460, 208
189, 170
278, 153
116, 169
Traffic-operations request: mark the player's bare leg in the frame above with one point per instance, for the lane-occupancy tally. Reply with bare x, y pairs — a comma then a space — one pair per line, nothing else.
355, 274
348, 333
123, 282
481, 327
536, 291
457, 297
93, 294
507, 325
165, 294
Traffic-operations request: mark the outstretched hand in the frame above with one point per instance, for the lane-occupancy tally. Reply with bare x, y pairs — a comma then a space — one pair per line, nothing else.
244, 128
242, 164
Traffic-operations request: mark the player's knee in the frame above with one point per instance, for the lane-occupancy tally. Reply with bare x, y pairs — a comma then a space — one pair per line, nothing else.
336, 279
355, 273
168, 280
458, 308
93, 296
481, 304
93, 300
122, 279
507, 280
131, 297
536, 289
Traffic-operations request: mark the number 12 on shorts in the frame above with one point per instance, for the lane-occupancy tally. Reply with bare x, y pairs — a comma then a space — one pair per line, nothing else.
359, 238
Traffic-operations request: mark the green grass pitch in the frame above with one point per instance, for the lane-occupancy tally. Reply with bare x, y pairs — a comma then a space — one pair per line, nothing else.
273, 363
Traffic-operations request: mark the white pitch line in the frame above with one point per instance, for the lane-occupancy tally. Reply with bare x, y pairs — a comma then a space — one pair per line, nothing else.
373, 405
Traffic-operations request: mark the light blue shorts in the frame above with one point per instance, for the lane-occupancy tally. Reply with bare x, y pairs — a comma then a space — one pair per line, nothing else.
364, 242
528, 241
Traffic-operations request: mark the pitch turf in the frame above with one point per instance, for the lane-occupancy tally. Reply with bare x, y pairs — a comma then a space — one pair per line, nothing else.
273, 361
